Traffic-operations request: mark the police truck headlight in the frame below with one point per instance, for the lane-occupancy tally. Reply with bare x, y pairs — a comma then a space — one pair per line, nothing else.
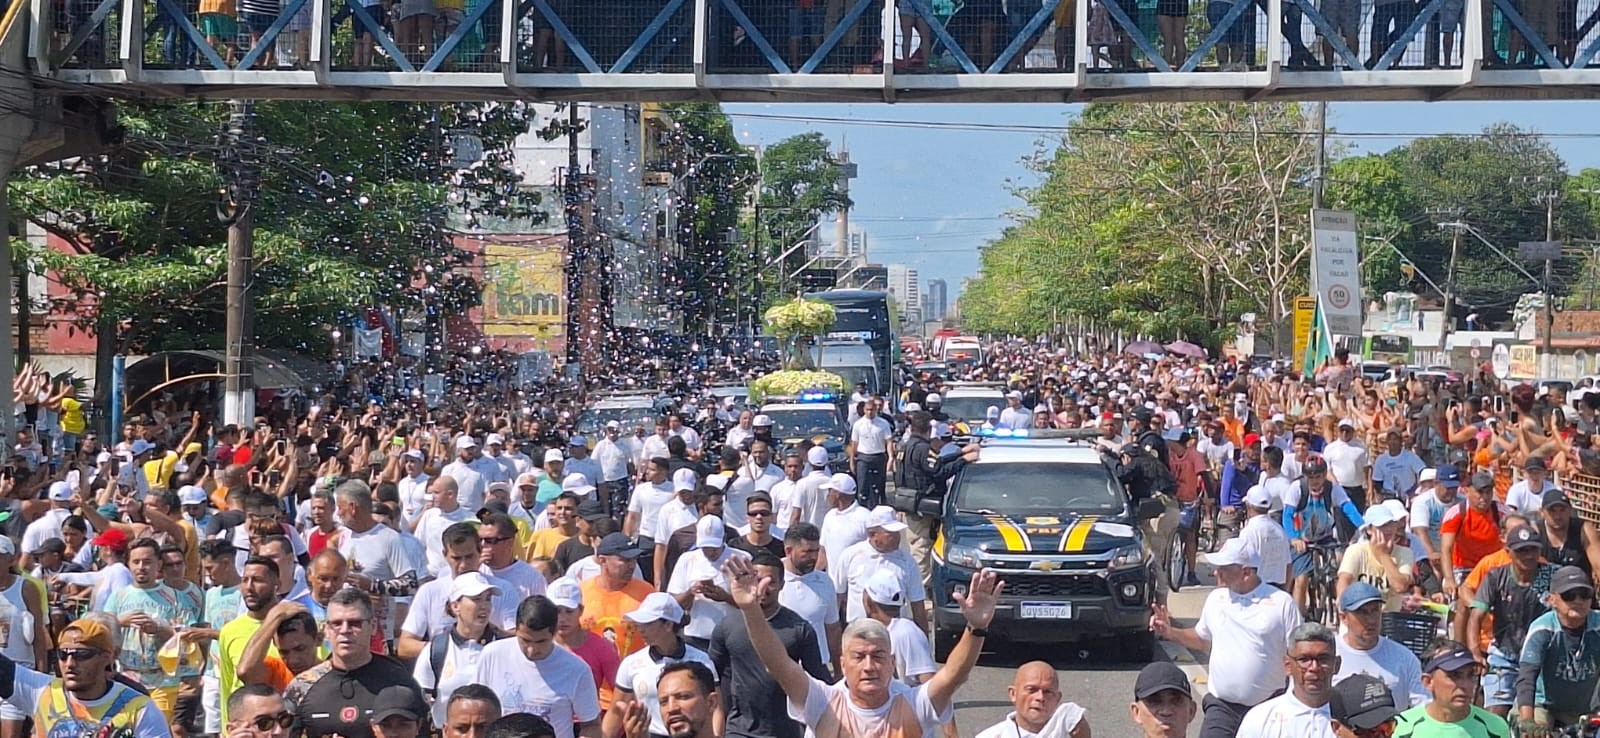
964, 556
1127, 557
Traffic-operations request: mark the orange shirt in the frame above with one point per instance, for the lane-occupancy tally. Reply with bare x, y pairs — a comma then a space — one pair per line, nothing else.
603, 610
1234, 429
1477, 534
278, 675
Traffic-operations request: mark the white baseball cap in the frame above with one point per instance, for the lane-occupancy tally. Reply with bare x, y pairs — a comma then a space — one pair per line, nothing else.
762, 421
1257, 497
844, 484
683, 479
414, 454
577, 483
565, 592
1235, 552
8, 547
710, 533
494, 439
1397, 510
943, 430
817, 456
934, 397
465, 442
883, 517
613, 425
554, 455
883, 587
1377, 516
528, 479
657, 606
1428, 475
189, 494
470, 584
60, 491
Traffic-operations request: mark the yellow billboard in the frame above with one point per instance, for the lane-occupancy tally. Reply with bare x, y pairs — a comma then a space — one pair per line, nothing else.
1524, 361
525, 291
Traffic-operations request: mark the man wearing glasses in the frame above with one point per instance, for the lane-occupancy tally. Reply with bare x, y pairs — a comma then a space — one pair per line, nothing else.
86, 698
339, 696
1560, 663
1452, 675
258, 712
1302, 711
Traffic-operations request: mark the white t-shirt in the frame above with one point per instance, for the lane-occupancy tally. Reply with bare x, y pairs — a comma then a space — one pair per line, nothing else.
859, 562
1216, 453
430, 530
842, 529
1397, 473
812, 596
1427, 511
106, 582
32, 687
381, 553
1286, 717
613, 460
525, 580
1265, 534
646, 501
46, 527
1522, 497
674, 514
913, 656
1390, 662
692, 567
783, 497
413, 495
871, 435
559, 688
810, 498
830, 713
1249, 636
640, 670
470, 484
427, 618
1347, 463
1067, 717
459, 668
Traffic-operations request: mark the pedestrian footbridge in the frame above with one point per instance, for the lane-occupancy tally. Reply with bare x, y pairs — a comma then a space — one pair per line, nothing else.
811, 50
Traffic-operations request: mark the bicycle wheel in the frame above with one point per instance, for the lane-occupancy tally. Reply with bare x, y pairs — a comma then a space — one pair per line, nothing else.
1177, 562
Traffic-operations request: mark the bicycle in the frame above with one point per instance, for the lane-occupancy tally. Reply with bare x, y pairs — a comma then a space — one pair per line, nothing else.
1322, 600
1190, 517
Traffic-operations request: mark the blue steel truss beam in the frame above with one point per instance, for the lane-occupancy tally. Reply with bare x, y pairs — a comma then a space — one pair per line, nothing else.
835, 36
922, 9
1331, 36
269, 38
171, 9
81, 35
1218, 30
1035, 24
1539, 47
1395, 50
365, 19
646, 36
1121, 17
755, 36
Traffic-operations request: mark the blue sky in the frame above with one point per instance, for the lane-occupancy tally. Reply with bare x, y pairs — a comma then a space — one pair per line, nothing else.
930, 197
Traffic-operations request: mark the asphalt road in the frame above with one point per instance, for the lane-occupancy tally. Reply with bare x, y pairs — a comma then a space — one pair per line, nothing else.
1096, 681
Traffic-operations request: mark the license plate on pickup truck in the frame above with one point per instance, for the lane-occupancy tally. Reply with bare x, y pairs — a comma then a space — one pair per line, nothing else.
1045, 610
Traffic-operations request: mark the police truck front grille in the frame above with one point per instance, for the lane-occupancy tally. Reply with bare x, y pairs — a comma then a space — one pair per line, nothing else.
1046, 585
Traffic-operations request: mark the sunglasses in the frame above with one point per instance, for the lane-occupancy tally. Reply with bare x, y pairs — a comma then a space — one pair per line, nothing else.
491, 540
265, 723
1382, 731
1576, 595
79, 654
758, 513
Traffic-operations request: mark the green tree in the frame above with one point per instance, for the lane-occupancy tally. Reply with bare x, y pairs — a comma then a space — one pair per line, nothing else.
800, 182
342, 221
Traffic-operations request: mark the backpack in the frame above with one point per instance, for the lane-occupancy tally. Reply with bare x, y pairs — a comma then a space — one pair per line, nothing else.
1494, 510
438, 649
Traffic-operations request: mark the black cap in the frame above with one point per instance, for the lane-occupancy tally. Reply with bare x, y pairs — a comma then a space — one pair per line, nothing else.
1569, 578
51, 545
1555, 497
1483, 480
617, 544
1159, 677
494, 506
1534, 462
1361, 702
592, 510
1524, 537
1142, 413
397, 701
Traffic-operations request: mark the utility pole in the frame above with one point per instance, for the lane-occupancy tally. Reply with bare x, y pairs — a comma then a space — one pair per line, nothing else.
1322, 154
847, 172
576, 251
1549, 251
1451, 217
240, 177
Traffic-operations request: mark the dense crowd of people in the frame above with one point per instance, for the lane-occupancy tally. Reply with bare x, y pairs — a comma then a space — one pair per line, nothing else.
361, 565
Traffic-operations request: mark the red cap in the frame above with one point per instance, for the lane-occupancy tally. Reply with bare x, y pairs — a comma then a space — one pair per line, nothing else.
111, 538
1251, 439
1108, 415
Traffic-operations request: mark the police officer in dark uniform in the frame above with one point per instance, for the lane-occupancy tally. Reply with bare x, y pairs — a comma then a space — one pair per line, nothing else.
1143, 433
1148, 477
921, 474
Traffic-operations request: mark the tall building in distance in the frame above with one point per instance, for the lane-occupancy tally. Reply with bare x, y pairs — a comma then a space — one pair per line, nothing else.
937, 301
907, 292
